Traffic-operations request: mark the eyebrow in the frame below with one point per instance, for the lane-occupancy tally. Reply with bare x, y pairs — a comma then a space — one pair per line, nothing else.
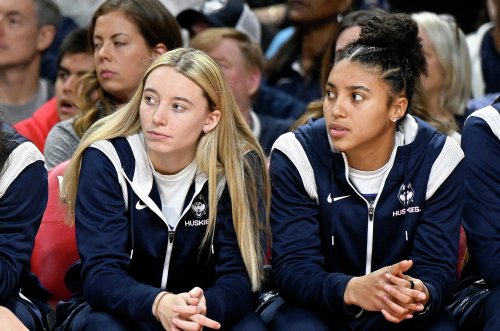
14, 13
62, 67
149, 89
352, 87
113, 36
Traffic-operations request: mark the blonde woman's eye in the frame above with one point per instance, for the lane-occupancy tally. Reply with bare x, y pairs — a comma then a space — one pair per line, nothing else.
150, 100
177, 107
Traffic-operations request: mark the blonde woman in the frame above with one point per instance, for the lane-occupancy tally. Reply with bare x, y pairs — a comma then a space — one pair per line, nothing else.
447, 85
166, 199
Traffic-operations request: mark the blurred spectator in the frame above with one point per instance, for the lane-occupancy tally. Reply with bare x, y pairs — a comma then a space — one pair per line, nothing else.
28, 28
447, 85
228, 13
236, 14
242, 63
466, 11
48, 67
75, 59
126, 37
484, 48
81, 11
295, 68
348, 31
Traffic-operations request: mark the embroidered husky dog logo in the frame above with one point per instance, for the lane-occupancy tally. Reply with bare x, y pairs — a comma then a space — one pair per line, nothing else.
199, 206
406, 194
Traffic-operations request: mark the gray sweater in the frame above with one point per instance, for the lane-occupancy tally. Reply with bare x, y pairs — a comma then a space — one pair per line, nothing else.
61, 143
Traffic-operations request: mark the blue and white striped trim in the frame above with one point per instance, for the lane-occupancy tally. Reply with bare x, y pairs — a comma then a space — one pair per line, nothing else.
443, 166
109, 150
491, 116
20, 158
291, 147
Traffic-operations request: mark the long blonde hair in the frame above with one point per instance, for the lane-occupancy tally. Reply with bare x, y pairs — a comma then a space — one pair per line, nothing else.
221, 152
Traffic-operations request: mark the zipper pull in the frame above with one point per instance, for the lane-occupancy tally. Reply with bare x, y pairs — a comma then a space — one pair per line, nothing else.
171, 236
371, 211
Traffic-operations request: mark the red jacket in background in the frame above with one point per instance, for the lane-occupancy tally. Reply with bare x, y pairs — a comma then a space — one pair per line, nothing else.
37, 127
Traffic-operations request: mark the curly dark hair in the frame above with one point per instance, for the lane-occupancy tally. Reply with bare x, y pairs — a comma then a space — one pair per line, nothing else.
392, 45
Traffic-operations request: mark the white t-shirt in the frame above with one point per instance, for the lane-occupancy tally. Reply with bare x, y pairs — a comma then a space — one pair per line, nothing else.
369, 183
173, 190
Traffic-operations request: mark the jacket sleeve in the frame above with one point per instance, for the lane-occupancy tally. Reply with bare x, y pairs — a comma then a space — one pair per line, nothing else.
231, 296
21, 210
482, 198
103, 239
297, 259
435, 245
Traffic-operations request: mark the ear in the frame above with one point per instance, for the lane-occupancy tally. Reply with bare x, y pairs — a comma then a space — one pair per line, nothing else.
212, 120
159, 49
399, 107
46, 35
253, 79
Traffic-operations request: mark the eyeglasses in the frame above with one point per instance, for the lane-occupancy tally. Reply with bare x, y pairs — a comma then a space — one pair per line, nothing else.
450, 19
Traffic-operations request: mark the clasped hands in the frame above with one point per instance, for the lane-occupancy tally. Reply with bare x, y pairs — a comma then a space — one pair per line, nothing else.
388, 290
183, 311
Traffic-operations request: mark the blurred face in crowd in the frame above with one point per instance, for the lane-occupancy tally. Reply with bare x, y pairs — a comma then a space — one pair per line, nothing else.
309, 11
70, 70
433, 81
174, 113
241, 78
121, 54
20, 37
346, 37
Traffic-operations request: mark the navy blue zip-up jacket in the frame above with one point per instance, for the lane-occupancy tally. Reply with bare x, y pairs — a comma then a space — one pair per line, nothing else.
481, 144
23, 198
130, 253
325, 232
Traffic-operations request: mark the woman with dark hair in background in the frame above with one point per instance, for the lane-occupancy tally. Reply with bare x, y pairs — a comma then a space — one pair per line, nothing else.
295, 68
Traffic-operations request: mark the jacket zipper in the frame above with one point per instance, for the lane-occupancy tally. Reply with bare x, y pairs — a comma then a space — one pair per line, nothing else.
168, 256
371, 216
170, 243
